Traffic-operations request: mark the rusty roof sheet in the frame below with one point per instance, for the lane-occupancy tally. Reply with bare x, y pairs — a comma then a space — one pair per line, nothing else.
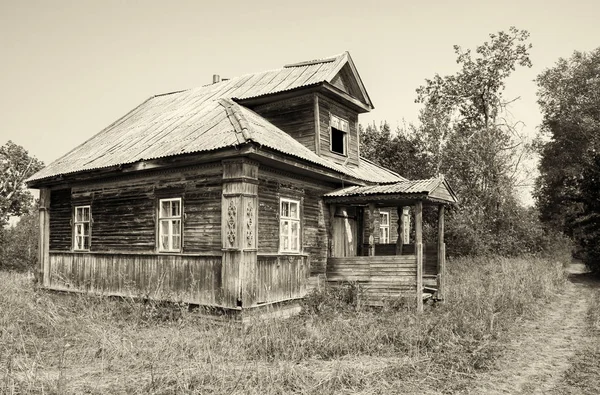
405, 187
197, 120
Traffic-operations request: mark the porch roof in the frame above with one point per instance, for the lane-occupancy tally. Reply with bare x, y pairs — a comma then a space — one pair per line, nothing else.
434, 190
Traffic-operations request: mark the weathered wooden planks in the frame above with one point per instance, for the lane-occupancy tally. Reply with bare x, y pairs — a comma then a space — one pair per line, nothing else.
380, 276
124, 211
327, 107
190, 279
281, 277
273, 185
293, 116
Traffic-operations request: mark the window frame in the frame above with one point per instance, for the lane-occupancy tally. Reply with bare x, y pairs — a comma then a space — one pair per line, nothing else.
297, 220
384, 226
171, 219
340, 122
87, 222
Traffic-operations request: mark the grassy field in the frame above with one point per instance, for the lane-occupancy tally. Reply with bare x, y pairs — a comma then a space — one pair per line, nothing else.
71, 344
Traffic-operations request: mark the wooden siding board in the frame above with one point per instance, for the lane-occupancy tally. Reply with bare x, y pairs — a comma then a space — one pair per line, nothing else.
294, 116
382, 277
328, 106
124, 212
60, 220
273, 185
165, 277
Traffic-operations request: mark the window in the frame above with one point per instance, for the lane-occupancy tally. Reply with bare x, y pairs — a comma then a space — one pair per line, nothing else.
384, 227
289, 225
169, 225
81, 228
339, 131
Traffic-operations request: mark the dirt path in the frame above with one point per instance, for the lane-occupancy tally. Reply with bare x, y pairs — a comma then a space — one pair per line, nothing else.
540, 350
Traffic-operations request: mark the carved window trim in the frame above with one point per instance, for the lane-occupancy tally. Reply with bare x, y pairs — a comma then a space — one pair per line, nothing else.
170, 225
231, 222
288, 221
250, 225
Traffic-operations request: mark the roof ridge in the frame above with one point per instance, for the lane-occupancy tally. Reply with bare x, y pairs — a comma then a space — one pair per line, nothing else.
328, 59
237, 119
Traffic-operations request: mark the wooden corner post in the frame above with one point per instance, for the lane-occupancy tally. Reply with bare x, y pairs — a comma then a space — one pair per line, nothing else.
419, 252
239, 218
43, 269
441, 263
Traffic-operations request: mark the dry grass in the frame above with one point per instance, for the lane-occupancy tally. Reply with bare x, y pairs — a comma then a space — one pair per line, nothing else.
71, 344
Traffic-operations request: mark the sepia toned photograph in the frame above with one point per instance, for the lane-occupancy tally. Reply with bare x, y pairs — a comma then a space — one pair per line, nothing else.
317, 197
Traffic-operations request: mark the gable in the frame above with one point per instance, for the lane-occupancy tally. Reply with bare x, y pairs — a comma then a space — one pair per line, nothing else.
443, 192
345, 81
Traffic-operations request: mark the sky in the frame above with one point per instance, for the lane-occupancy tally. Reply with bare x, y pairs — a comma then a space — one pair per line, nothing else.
70, 68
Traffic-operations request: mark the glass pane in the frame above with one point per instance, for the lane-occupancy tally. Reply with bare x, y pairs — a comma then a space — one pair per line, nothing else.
285, 227
286, 243
164, 242
176, 242
86, 243
384, 218
293, 210
285, 209
78, 214
165, 208
86, 213
175, 208
164, 228
77, 243
85, 228
176, 227
295, 236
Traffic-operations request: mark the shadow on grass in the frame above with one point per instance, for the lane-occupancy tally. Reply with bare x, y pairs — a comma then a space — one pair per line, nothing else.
587, 279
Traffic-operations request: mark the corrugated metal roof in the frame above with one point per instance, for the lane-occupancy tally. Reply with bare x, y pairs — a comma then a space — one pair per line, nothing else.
406, 187
196, 120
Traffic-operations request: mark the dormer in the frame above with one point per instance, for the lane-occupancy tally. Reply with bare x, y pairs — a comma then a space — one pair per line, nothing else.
318, 104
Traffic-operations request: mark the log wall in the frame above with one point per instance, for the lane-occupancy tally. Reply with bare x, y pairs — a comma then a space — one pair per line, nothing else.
294, 116
314, 214
124, 211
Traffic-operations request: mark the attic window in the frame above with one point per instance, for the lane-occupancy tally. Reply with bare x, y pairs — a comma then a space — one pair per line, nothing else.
339, 132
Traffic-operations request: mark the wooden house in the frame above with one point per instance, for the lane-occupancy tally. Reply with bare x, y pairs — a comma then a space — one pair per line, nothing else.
237, 195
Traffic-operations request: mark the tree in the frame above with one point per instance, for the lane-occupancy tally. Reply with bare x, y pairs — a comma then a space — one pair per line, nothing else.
15, 166
400, 151
467, 134
20, 242
569, 144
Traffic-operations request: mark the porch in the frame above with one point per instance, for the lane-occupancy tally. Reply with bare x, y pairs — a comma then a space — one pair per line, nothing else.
362, 250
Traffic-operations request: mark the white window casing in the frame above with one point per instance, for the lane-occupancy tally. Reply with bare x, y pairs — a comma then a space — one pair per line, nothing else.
384, 227
338, 135
289, 226
81, 228
170, 214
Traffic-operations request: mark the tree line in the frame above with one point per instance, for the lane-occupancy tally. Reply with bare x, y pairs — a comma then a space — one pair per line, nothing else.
465, 132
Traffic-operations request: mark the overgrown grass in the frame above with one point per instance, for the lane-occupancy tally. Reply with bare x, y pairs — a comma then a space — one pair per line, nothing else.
67, 344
